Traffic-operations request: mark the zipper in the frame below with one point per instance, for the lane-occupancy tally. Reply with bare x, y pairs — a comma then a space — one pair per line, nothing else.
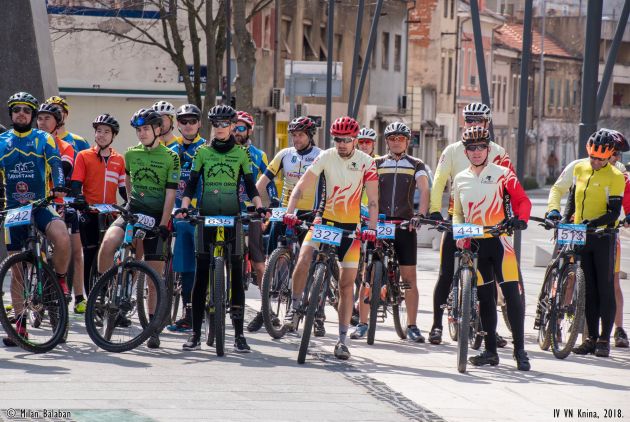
394, 189
585, 189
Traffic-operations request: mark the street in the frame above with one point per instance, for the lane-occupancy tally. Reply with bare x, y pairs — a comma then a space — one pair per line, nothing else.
391, 380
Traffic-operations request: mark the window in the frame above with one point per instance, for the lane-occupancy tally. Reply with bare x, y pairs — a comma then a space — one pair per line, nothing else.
267, 33
504, 93
449, 75
515, 90
373, 59
286, 30
471, 77
452, 9
397, 52
338, 47
494, 92
575, 92
558, 93
445, 9
385, 52
567, 93
552, 92
443, 73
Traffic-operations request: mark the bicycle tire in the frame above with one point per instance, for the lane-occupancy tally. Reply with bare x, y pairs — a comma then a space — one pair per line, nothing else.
218, 296
97, 307
544, 332
465, 278
58, 318
376, 274
269, 284
177, 295
314, 296
399, 313
93, 275
209, 314
562, 351
453, 327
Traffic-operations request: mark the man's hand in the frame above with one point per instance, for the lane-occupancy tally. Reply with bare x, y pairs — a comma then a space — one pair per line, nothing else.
263, 212
164, 232
368, 235
436, 216
290, 220
553, 215
181, 213
515, 224
414, 223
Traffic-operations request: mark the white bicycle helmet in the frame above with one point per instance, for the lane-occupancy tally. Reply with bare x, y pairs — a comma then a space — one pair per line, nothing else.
367, 133
477, 110
164, 108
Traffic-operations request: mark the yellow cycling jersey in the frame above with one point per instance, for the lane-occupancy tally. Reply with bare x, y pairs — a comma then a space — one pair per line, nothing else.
593, 188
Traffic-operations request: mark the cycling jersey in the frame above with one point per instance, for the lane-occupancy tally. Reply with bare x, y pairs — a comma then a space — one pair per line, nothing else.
565, 181
27, 161
186, 153
258, 163
344, 180
480, 199
397, 184
293, 164
220, 173
151, 172
78, 142
452, 161
594, 188
100, 178
66, 153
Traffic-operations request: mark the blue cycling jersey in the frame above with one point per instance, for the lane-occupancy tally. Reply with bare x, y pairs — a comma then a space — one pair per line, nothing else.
259, 165
186, 154
28, 161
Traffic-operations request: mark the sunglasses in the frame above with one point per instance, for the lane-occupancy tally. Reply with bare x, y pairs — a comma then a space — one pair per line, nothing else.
397, 138
346, 140
474, 119
222, 124
365, 141
185, 122
479, 147
597, 158
24, 109
240, 129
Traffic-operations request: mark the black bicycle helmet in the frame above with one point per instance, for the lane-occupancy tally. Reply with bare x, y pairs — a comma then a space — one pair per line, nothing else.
146, 116
303, 124
397, 128
53, 109
222, 112
601, 144
107, 120
188, 110
621, 143
23, 98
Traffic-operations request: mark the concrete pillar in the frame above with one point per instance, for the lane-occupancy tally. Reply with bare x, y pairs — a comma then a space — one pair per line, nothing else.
298, 30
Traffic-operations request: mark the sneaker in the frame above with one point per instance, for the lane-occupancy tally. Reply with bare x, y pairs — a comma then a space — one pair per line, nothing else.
123, 321
290, 319
602, 349
414, 334
587, 347
435, 336
193, 343
154, 341
359, 332
485, 358
240, 345
621, 338
9, 342
318, 328
354, 321
181, 325
256, 323
79, 308
522, 361
341, 351
501, 342
275, 321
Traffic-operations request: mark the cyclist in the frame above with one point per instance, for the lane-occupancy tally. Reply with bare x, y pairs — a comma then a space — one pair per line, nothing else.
367, 140
293, 163
479, 198
399, 175
153, 176
28, 158
219, 167
188, 123
167, 111
563, 185
346, 171
452, 161
99, 172
48, 119
595, 200
77, 142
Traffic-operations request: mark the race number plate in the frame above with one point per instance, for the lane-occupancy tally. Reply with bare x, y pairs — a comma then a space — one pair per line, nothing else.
145, 221
277, 214
385, 231
68, 199
327, 234
571, 234
219, 221
18, 216
104, 208
463, 231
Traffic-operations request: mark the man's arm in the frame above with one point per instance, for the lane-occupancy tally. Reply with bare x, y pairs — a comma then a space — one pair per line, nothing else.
458, 211
169, 202
561, 187
422, 184
371, 190
308, 179
261, 183
442, 174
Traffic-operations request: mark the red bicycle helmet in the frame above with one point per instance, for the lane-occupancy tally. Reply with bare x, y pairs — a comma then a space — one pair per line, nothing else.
245, 117
345, 126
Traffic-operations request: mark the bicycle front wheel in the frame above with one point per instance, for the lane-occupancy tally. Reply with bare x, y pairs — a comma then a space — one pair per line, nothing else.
276, 292
376, 273
113, 317
465, 299
40, 313
567, 311
314, 298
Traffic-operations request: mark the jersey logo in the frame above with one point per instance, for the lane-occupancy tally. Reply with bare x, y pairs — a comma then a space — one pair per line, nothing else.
353, 166
221, 168
22, 195
146, 173
22, 171
488, 180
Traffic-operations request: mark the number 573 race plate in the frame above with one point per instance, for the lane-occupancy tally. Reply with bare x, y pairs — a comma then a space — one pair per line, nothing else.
571, 234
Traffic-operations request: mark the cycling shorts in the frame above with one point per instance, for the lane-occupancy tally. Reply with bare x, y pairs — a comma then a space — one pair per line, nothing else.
255, 242
154, 246
405, 245
90, 224
348, 252
496, 260
16, 236
71, 218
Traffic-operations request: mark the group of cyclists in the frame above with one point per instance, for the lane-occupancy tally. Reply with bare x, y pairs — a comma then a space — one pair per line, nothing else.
166, 177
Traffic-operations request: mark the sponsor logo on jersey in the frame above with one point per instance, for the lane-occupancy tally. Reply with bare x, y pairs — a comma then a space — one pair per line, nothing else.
488, 180
24, 170
22, 195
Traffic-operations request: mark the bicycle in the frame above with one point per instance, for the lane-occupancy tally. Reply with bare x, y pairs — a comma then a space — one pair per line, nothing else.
37, 299
116, 316
560, 307
106, 215
382, 277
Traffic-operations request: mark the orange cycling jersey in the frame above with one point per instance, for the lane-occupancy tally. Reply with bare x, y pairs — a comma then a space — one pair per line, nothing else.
100, 178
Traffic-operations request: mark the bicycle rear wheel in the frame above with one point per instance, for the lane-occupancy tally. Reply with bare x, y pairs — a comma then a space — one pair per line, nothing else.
39, 311
376, 274
399, 307
218, 296
114, 323
315, 297
276, 292
465, 278
567, 311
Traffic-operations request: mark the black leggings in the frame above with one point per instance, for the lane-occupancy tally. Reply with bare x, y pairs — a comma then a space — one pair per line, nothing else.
598, 264
445, 278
